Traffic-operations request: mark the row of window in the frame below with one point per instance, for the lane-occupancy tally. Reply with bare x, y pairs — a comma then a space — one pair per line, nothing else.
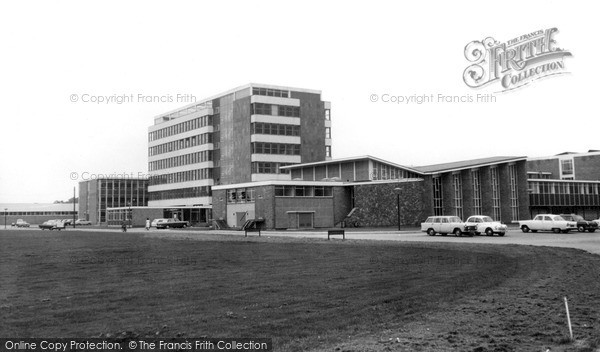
275, 129
269, 168
438, 194
191, 192
182, 127
275, 148
192, 141
303, 191
563, 188
275, 110
271, 92
37, 213
386, 172
187, 159
182, 176
240, 195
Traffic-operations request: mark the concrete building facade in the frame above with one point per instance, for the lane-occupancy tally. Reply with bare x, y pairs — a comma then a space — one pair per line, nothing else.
96, 195
565, 183
244, 135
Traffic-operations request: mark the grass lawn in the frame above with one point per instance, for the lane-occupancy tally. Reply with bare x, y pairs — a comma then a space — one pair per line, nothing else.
305, 294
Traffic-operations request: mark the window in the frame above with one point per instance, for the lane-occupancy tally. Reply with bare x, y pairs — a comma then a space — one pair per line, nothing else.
496, 213
328, 132
275, 110
328, 151
270, 92
458, 201
514, 196
327, 114
566, 169
476, 191
438, 199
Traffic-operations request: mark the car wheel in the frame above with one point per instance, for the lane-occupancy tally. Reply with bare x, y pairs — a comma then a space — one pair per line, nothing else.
556, 230
525, 229
489, 232
431, 232
457, 232
581, 228
592, 230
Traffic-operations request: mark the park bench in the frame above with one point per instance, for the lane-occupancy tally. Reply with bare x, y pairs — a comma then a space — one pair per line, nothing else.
336, 232
251, 229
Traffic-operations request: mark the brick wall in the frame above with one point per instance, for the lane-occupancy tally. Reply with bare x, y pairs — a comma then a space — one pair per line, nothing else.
265, 205
587, 167
219, 204
545, 165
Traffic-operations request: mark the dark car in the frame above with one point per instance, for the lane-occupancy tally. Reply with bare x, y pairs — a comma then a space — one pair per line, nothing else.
582, 224
172, 223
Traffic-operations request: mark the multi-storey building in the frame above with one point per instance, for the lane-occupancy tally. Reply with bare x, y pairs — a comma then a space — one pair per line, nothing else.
565, 183
246, 134
96, 195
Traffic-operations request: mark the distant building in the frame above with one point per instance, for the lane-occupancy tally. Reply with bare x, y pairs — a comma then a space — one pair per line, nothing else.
565, 183
247, 134
36, 213
95, 196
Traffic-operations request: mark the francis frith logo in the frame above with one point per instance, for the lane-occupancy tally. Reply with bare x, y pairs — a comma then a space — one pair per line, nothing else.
516, 62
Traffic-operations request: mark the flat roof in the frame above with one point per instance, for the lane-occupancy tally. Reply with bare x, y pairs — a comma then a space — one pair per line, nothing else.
38, 206
350, 159
566, 155
311, 183
468, 164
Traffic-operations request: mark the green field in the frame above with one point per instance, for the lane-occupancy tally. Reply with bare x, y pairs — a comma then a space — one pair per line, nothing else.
305, 294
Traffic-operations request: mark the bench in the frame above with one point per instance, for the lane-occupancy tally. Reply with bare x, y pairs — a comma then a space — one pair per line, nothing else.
251, 230
335, 233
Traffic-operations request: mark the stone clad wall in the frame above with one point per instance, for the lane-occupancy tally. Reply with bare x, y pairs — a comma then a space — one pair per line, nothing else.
376, 205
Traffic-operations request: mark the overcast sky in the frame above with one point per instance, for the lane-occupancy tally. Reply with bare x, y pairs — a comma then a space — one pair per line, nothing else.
52, 50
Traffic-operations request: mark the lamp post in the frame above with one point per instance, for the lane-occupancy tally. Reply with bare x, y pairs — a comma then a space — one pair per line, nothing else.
5, 212
129, 214
397, 190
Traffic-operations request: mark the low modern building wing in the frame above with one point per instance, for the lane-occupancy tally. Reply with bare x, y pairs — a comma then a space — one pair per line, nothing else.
565, 183
368, 191
36, 213
97, 195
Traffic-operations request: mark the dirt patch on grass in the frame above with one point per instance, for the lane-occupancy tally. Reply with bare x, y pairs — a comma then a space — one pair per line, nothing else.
306, 294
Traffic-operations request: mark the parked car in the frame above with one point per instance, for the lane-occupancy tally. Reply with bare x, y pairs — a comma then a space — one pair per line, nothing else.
20, 223
172, 223
487, 225
156, 221
52, 225
582, 224
81, 222
445, 225
67, 222
547, 222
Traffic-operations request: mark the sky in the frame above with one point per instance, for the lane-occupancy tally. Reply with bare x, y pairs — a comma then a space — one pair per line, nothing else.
59, 56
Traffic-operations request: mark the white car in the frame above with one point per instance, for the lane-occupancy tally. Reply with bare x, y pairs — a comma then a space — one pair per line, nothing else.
547, 222
487, 225
445, 225
156, 221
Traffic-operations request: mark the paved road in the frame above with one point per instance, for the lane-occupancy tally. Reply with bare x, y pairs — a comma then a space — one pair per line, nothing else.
587, 241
